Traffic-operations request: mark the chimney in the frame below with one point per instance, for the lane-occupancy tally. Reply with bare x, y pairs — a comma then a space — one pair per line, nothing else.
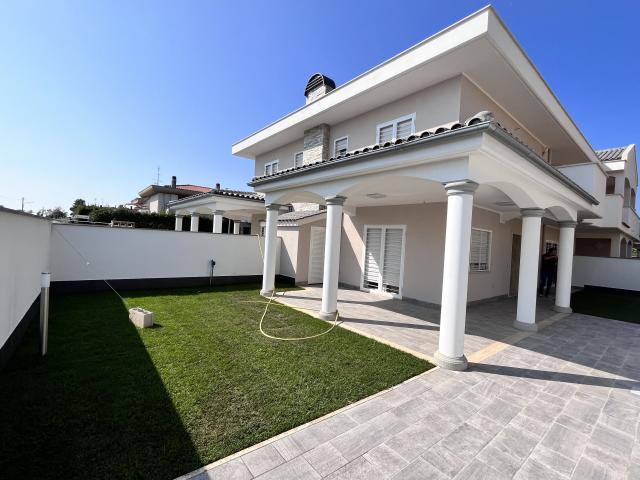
174, 180
217, 187
317, 86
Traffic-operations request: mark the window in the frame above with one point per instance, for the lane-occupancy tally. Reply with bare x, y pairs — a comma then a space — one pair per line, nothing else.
399, 128
340, 146
298, 159
383, 259
480, 254
271, 167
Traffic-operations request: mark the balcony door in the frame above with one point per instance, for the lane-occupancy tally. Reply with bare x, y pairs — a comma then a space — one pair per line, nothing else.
383, 264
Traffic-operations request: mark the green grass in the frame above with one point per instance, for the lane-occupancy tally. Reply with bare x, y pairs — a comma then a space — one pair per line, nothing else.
619, 305
111, 401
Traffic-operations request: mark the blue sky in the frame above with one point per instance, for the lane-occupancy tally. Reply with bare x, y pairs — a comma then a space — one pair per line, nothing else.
94, 96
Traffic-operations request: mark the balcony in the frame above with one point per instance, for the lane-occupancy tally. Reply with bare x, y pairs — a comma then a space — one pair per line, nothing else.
630, 220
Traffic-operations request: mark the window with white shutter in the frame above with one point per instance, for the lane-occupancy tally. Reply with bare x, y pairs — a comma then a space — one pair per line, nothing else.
298, 159
340, 146
399, 128
384, 249
480, 252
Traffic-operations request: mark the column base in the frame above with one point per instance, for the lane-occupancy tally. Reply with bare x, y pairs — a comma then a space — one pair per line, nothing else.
327, 316
527, 327
266, 293
559, 309
450, 363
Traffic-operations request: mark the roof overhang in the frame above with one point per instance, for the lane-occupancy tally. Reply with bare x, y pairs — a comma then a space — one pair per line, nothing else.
478, 47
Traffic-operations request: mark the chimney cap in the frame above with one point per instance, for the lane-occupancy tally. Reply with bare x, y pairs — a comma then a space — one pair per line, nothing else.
318, 80
218, 186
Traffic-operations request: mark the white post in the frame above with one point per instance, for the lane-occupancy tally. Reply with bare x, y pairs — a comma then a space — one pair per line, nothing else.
455, 277
45, 283
565, 267
195, 221
179, 223
529, 261
270, 239
217, 221
331, 258
236, 227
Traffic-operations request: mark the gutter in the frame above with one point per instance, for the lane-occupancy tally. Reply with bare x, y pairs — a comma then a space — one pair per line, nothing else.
490, 127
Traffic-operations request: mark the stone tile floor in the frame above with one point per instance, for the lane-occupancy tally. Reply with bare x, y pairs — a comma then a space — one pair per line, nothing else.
414, 326
563, 403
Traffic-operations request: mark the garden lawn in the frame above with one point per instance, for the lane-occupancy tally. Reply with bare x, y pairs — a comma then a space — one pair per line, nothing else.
111, 401
608, 303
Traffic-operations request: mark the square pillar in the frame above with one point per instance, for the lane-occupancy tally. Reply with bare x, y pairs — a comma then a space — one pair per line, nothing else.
529, 261
565, 267
236, 227
329, 308
270, 239
217, 221
179, 223
455, 277
195, 221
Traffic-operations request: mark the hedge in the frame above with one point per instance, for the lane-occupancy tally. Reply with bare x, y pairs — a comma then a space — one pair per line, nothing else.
157, 221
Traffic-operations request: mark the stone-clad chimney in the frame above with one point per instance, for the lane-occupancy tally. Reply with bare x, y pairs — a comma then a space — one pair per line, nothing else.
316, 144
174, 181
317, 86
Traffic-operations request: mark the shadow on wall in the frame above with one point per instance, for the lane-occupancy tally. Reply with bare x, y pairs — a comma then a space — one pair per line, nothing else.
96, 400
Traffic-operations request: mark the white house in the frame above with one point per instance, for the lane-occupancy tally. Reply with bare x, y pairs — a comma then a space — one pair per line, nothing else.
444, 171
156, 198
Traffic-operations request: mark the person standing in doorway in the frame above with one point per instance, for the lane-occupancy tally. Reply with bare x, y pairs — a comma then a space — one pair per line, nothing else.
548, 271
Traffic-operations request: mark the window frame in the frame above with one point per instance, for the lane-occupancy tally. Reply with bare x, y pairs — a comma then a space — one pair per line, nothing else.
294, 159
335, 144
395, 123
379, 290
271, 164
490, 232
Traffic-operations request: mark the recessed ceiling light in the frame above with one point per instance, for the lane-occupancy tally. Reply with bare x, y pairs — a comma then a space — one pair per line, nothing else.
376, 195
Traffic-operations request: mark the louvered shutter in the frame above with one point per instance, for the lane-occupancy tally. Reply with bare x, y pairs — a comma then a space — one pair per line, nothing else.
372, 257
392, 260
405, 128
385, 134
316, 255
341, 146
479, 252
298, 159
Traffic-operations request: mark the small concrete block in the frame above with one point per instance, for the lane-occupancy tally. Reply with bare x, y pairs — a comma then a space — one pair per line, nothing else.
140, 317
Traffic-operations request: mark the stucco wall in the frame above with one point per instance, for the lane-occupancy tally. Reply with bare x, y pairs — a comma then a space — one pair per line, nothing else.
289, 251
424, 249
623, 273
115, 253
24, 255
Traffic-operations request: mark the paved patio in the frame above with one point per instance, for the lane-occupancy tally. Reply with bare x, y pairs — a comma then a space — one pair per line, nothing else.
561, 403
414, 326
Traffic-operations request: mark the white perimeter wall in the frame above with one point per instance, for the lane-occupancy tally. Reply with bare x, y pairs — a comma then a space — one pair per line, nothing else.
118, 253
24, 255
611, 272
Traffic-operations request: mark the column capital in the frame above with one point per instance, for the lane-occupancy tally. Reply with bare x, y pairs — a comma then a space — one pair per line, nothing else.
194, 214
218, 212
179, 215
274, 206
337, 200
568, 224
531, 212
460, 187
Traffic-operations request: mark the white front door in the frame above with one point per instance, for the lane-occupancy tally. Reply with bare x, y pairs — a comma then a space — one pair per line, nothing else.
316, 255
384, 259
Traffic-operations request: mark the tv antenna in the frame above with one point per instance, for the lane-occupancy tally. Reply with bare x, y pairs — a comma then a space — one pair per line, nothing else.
158, 176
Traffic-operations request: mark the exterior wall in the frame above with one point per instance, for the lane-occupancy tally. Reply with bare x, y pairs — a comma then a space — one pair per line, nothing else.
255, 223
168, 254
158, 202
294, 255
424, 249
591, 178
284, 154
622, 273
24, 255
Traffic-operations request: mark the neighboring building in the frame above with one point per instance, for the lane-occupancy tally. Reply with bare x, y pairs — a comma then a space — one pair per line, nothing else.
156, 198
239, 211
454, 164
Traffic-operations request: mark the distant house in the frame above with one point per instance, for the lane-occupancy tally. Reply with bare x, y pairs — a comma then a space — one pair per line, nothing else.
156, 198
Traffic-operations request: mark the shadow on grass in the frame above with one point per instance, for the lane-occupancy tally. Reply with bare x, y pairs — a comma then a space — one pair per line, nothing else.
95, 407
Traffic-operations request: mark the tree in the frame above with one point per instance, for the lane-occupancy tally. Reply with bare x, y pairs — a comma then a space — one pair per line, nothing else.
52, 213
78, 206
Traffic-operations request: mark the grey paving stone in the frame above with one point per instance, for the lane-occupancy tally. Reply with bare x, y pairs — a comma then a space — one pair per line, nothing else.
444, 460
614, 462
386, 460
477, 470
532, 469
367, 410
588, 469
419, 469
368, 435
262, 460
465, 441
564, 441
484, 424
500, 411
416, 439
630, 428
530, 425
296, 469
573, 424
231, 470
582, 411
515, 441
555, 461
611, 440
500, 460
325, 459
620, 410
358, 469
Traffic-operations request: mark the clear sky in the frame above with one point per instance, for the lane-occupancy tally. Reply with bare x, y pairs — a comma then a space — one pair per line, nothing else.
95, 95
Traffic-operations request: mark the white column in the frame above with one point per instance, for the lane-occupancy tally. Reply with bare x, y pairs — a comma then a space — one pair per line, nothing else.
270, 239
217, 221
455, 277
179, 223
195, 221
565, 267
529, 261
236, 227
331, 258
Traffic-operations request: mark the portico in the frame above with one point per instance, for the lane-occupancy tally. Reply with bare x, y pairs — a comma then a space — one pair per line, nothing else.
474, 175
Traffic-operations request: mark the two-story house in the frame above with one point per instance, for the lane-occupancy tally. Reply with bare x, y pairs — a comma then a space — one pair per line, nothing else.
444, 171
